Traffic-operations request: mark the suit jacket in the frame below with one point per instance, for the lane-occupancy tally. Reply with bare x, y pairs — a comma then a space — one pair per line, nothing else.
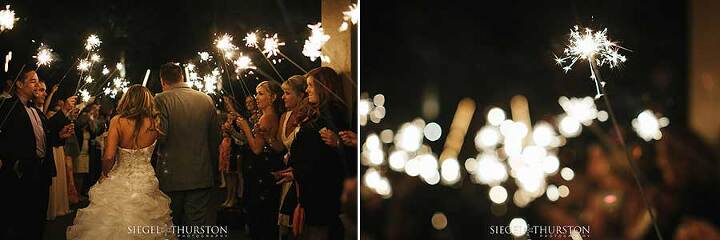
189, 140
17, 143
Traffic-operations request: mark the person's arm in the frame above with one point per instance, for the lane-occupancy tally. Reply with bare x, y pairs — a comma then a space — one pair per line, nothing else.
256, 141
163, 126
111, 145
46, 106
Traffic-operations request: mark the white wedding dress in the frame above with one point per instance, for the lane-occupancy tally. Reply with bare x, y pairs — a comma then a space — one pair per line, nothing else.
127, 204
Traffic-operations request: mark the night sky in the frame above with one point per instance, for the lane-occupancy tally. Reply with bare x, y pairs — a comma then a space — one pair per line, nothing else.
150, 33
489, 52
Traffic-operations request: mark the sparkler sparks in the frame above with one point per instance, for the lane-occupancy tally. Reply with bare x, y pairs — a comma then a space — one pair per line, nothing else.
251, 40
85, 95
314, 43
84, 65
224, 43
272, 44
92, 42
105, 70
7, 18
243, 63
95, 58
89, 79
204, 56
44, 55
351, 16
593, 46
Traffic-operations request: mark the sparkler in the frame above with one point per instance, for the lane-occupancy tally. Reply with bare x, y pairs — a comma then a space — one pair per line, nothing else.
85, 95
92, 42
44, 56
251, 40
243, 63
351, 16
84, 65
595, 47
95, 58
272, 44
647, 125
225, 45
105, 70
89, 79
7, 19
314, 43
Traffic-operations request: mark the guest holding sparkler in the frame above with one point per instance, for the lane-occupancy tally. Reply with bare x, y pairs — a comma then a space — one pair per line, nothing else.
262, 196
317, 167
294, 97
27, 159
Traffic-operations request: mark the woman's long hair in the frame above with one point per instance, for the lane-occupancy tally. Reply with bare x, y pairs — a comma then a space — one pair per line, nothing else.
328, 88
275, 89
137, 104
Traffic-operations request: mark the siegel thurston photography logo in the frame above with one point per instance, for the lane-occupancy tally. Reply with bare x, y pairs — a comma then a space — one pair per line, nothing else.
212, 232
520, 228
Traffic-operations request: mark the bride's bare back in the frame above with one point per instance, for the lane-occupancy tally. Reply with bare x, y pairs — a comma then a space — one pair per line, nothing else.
121, 134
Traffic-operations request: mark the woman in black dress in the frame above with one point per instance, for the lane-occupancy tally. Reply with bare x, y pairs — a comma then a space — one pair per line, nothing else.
319, 169
262, 194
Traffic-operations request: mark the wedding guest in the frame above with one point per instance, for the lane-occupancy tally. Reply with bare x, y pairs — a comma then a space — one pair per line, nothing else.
294, 98
58, 204
263, 194
317, 167
27, 159
88, 127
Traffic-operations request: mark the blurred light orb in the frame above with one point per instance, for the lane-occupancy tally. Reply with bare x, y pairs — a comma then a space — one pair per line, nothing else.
563, 191
379, 112
487, 137
432, 131
364, 107
439, 221
409, 138
490, 170
471, 165
552, 193
647, 125
450, 171
518, 227
412, 167
567, 174
386, 136
431, 178
498, 194
495, 116
379, 100
373, 142
543, 134
397, 160
550, 164
602, 116
569, 127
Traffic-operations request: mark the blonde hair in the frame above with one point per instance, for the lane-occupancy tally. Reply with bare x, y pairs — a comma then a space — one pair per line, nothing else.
137, 104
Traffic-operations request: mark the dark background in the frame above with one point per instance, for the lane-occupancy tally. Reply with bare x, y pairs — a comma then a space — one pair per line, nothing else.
490, 51
150, 33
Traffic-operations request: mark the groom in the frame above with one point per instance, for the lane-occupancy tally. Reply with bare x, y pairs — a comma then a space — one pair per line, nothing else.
188, 148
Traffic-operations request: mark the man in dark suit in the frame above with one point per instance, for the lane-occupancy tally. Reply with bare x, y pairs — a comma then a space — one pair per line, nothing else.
26, 161
187, 166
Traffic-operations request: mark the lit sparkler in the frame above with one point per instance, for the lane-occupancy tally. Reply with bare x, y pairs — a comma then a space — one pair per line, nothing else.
7, 18
272, 44
594, 47
243, 63
95, 58
352, 16
92, 42
84, 65
105, 70
204, 56
85, 95
44, 55
251, 40
89, 79
314, 43
224, 44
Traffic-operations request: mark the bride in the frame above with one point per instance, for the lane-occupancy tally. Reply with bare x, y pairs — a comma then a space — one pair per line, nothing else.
126, 203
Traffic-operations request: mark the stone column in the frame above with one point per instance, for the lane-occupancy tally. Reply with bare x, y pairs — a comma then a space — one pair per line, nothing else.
704, 70
340, 47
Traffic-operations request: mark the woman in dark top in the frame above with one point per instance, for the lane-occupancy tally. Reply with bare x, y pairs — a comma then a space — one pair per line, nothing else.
319, 169
262, 198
